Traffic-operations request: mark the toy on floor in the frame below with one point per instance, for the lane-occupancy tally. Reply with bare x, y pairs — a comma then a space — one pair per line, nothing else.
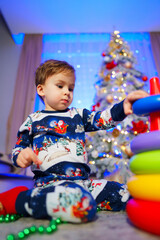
144, 209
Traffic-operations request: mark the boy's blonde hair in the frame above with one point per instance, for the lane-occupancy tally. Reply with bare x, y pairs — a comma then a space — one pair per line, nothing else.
52, 67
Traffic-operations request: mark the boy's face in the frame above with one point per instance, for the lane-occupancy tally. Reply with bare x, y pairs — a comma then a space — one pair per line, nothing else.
57, 92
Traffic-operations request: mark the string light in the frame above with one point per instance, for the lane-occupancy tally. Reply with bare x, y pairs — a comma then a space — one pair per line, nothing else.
90, 146
116, 32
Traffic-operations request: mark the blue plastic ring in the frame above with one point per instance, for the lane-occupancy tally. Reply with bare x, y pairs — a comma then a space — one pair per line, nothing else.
147, 105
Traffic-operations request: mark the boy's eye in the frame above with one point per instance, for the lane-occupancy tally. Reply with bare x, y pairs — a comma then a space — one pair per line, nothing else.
71, 89
59, 86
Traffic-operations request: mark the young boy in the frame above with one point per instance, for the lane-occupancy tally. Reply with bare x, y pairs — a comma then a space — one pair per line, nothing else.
58, 159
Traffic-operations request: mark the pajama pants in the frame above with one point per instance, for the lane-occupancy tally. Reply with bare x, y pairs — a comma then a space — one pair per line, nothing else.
73, 201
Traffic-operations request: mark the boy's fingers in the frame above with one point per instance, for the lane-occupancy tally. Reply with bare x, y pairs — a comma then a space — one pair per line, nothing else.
136, 95
22, 162
35, 159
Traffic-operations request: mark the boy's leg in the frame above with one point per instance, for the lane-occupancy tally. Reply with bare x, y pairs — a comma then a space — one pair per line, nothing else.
66, 200
109, 195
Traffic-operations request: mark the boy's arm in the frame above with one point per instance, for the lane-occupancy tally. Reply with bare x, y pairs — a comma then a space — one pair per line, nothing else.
117, 112
109, 118
101, 120
22, 154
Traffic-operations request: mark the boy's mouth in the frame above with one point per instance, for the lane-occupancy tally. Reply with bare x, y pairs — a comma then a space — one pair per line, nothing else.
65, 100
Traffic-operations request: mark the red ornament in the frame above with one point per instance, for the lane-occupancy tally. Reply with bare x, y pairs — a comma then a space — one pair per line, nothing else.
111, 65
95, 106
144, 78
139, 127
103, 54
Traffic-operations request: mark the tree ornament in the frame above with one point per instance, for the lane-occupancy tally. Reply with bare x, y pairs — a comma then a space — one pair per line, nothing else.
94, 154
109, 98
139, 127
127, 151
101, 74
94, 107
115, 132
103, 54
111, 65
119, 81
112, 44
128, 64
144, 78
107, 78
107, 59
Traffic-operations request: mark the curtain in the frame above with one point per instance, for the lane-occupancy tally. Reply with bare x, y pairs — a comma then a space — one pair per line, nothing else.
83, 51
24, 92
155, 44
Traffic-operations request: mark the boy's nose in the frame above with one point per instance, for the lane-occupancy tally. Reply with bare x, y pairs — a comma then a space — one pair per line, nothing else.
66, 91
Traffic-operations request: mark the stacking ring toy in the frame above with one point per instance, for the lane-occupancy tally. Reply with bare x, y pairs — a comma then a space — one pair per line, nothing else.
146, 142
144, 214
146, 163
146, 187
147, 105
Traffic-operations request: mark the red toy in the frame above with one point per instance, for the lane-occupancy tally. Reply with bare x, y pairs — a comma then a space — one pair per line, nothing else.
155, 116
144, 214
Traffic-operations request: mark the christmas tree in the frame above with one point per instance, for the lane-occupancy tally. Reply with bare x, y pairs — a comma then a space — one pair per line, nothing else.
109, 151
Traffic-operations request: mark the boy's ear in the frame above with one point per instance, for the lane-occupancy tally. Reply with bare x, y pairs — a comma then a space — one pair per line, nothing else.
40, 90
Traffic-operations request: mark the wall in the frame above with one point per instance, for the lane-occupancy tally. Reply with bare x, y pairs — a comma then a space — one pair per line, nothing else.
9, 59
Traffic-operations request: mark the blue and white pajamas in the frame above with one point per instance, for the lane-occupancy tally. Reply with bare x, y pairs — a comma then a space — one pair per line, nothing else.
62, 185
72, 201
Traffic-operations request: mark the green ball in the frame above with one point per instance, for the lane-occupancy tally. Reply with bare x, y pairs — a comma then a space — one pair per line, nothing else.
53, 222
26, 231
49, 229
41, 229
58, 221
98, 209
2, 218
7, 219
33, 229
21, 235
54, 227
12, 218
10, 237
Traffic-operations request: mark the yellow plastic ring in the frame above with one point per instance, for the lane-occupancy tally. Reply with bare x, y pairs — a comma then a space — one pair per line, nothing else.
145, 187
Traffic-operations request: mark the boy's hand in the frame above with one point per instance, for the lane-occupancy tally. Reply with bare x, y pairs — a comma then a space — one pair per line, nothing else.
26, 157
131, 98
